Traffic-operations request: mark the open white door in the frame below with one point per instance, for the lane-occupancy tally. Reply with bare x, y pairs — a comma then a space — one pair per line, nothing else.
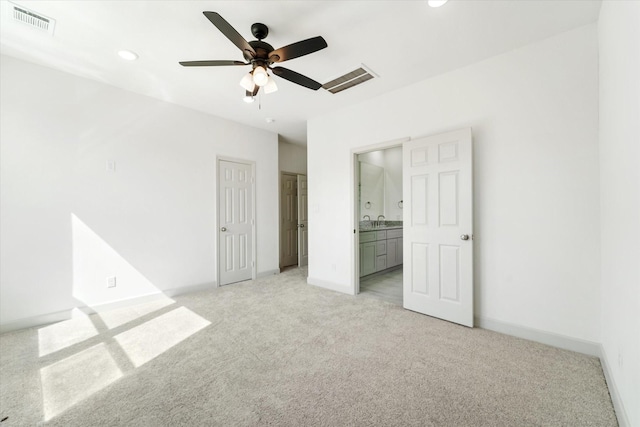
303, 225
235, 213
438, 220
289, 221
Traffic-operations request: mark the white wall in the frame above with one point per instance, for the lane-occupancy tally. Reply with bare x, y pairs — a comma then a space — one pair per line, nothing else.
155, 216
534, 114
619, 39
292, 158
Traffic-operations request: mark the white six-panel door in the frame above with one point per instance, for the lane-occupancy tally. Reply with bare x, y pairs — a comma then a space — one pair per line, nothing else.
437, 216
303, 222
235, 213
289, 221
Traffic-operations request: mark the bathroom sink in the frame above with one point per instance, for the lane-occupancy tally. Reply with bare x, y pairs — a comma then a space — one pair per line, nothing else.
382, 226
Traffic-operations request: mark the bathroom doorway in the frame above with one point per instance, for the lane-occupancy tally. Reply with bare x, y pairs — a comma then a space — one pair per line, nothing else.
379, 224
437, 227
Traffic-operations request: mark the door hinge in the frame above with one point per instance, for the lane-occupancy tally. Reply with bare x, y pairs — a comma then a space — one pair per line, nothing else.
253, 263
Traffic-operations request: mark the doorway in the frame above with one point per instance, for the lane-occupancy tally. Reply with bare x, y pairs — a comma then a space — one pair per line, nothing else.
380, 227
294, 225
437, 225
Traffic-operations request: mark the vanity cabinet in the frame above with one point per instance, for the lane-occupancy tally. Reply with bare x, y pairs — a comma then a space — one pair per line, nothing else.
379, 250
394, 247
392, 253
367, 258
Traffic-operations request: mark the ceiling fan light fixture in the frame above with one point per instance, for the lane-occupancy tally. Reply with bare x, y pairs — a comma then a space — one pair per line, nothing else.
271, 86
260, 76
247, 82
248, 99
436, 3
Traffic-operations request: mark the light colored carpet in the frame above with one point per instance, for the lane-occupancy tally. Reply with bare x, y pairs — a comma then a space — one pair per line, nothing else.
276, 352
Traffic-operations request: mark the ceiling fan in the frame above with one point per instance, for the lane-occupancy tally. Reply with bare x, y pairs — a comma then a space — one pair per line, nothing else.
261, 56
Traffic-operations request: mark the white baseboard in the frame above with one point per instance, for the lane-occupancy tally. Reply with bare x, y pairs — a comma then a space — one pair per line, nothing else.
561, 341
30, 322
59, 316
556, 340
112, 305
330, 285
173, 292
268, 273
46, 319
621, 413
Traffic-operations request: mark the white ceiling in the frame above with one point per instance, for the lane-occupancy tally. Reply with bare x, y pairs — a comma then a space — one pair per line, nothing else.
401, 41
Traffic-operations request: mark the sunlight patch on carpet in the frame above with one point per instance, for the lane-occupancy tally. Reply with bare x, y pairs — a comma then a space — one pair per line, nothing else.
119, 316
75, 378
149, 340
66, 333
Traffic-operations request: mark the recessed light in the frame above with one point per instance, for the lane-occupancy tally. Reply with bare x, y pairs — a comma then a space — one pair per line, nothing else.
436, 3
128, 55
269, 120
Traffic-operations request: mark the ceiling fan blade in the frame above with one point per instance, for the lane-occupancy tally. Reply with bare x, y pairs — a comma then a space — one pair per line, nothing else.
229, 32
254, 93
210, 63
297, 78
298, 49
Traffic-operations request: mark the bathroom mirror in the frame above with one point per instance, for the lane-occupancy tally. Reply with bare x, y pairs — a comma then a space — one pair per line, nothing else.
381, 184
371, 190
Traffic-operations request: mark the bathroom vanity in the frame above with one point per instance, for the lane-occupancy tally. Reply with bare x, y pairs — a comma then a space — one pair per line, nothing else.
380, 249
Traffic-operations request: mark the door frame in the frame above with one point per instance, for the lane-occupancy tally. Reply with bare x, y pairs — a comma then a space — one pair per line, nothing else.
280, 179
355, 179
300, 230
254, 261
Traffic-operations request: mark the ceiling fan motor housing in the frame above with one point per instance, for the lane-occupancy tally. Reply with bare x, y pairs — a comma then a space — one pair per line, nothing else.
263, 50
259, 31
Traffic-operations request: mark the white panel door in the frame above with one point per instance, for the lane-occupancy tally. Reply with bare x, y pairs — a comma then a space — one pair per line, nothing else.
303, 222
289, 222
235, 213
437, 215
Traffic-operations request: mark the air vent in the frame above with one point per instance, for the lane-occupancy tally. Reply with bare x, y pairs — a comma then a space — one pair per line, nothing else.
349, 80
33, 19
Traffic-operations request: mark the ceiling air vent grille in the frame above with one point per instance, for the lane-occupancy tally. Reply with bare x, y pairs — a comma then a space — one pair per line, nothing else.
349, 80
33, 19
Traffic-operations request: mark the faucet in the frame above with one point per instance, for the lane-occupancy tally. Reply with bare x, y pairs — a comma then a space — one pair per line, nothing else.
366, 217
378, 220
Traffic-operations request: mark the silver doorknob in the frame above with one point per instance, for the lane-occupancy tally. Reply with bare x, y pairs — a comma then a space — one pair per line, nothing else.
301, 225
464, 237
223, 229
